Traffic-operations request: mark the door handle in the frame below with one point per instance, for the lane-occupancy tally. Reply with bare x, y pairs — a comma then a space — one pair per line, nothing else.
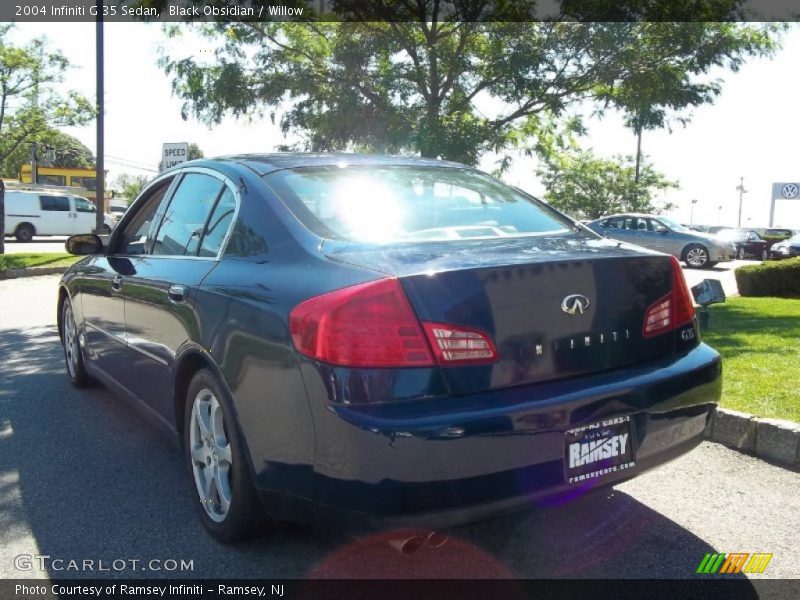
116, 283
177, 293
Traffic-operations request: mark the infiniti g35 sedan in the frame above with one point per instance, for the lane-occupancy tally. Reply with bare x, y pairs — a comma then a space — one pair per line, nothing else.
383, 342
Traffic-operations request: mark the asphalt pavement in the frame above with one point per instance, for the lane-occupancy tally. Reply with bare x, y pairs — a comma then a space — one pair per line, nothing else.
83, 477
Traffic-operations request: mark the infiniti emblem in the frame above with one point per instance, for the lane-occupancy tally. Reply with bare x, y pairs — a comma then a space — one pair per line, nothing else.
575, 304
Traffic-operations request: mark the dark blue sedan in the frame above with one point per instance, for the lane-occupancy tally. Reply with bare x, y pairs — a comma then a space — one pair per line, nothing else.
383, 342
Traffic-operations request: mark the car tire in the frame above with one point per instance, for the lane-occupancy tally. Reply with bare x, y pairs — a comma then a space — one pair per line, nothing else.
696, 257
220, 478
71, 342
25, 232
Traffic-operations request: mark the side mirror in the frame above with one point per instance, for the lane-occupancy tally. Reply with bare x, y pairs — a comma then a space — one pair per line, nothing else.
663, 231
84, 244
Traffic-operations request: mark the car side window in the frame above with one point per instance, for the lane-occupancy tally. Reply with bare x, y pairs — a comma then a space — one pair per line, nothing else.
54, 203
218, 224
185, 218
84, 206
133, 238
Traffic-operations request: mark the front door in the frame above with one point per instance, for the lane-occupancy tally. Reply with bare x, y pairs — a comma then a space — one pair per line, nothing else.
84, 216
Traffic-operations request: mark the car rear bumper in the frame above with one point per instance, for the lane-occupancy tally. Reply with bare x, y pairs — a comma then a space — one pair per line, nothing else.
439, 464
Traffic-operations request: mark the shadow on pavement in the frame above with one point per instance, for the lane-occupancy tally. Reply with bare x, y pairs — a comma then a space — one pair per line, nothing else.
83, 477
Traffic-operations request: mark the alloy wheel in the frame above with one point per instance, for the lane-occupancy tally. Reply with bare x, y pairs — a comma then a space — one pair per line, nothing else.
71, 346
697, 257
211, 455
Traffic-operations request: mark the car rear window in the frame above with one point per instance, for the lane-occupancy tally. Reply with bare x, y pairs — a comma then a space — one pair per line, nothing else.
409, 203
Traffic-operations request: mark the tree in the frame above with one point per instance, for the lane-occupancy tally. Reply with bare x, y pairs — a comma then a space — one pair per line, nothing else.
130, 186
588, 187
67, 150
29, 103
444, 85
193, 152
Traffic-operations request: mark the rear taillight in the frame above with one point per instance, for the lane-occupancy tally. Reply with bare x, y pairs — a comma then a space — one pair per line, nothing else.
366, 325
455, 344
373, 325
673, 310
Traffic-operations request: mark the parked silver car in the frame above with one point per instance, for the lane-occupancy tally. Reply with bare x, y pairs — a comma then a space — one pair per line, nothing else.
698, 250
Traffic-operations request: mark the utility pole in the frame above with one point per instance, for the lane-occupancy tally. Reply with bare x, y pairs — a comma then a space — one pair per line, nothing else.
742, 191
100, 184
34, 164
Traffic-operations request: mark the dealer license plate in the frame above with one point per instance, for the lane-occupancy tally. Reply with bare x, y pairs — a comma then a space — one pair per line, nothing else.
598, 449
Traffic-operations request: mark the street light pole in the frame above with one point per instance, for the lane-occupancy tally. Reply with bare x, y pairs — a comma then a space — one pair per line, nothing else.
100, 184
691, 211
742, 191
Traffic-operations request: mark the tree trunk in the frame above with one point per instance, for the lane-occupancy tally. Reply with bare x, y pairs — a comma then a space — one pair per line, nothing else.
2, 216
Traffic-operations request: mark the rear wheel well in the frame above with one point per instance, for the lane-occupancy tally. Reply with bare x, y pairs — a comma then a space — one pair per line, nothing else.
190, 365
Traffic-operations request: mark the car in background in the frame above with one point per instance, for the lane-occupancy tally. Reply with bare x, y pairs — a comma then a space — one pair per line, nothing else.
698, 250
748, 243
787, 248
383, 341
116, 212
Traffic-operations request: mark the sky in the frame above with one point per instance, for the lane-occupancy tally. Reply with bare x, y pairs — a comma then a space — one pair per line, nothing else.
752, 130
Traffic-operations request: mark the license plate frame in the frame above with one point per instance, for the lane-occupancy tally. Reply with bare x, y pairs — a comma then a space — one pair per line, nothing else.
599, 450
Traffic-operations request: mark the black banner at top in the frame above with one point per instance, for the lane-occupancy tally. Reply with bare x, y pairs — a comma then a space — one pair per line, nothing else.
399, 10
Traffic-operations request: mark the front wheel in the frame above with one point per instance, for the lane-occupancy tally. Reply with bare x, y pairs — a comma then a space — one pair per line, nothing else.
70, 340
696, 256
226, 500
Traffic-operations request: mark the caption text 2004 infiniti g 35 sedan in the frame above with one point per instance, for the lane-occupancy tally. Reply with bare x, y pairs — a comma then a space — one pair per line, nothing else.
384, 342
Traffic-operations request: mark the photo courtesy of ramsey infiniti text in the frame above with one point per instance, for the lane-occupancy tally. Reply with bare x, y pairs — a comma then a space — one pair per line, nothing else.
383, 342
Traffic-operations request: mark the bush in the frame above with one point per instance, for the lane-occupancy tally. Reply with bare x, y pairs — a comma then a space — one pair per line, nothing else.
780, 278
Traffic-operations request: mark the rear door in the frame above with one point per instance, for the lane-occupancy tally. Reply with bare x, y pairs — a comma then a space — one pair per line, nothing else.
160, 291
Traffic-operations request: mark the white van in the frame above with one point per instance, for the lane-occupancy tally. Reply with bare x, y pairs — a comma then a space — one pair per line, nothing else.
47, 213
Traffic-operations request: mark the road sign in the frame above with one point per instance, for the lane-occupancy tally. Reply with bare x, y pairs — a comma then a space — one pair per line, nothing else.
174, 154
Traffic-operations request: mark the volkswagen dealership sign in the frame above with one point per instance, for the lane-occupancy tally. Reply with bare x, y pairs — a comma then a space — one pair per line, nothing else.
783, 190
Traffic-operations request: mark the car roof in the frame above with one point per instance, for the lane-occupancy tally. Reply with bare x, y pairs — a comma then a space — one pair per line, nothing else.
643, 215
268, 163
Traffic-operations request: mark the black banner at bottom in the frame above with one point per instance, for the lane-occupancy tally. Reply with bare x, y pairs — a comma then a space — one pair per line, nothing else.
388, 589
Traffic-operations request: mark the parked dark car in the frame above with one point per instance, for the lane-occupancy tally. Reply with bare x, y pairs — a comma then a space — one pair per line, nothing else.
657, 232
748, 243
787, 248
384, 342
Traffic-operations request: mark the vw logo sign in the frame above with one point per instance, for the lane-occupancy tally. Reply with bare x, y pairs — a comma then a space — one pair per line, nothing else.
790, 190
575, 304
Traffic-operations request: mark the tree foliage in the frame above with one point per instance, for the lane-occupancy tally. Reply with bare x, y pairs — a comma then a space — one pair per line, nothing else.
587, 186
30, 105
451, 87
130, 186
67, 151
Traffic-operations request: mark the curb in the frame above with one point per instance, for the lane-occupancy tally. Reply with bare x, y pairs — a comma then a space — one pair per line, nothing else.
773, 439
33, 272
